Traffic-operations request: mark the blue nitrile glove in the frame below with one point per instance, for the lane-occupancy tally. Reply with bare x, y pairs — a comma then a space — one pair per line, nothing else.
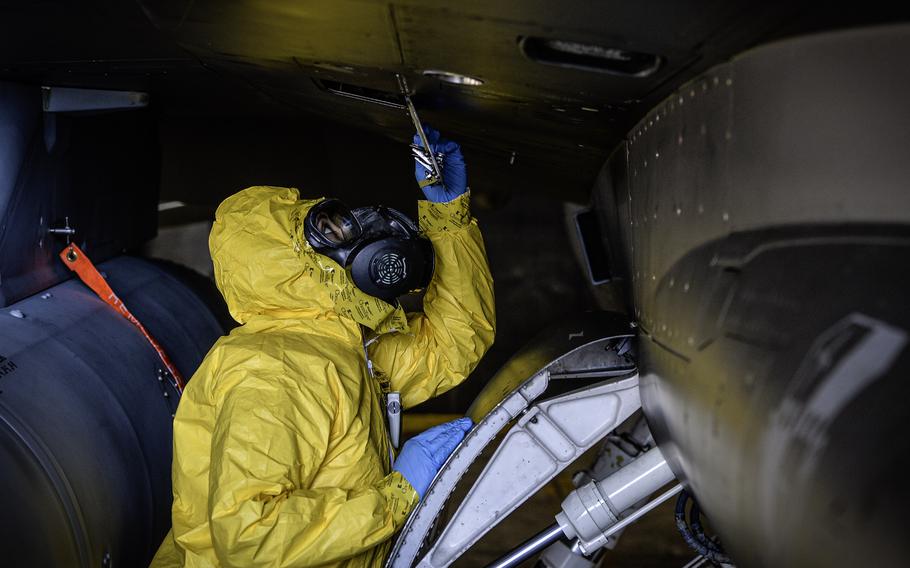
454, 175
423, 455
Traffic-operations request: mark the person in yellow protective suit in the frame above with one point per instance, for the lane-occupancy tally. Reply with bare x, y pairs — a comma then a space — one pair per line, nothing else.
281, 452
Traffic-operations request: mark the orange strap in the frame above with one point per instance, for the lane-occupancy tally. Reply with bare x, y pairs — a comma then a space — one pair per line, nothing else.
79, 263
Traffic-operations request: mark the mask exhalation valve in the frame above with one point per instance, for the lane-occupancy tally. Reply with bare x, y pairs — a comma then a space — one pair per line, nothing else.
391, 268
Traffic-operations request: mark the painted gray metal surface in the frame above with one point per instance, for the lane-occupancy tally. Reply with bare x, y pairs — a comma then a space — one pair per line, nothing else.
764, 226
808, 131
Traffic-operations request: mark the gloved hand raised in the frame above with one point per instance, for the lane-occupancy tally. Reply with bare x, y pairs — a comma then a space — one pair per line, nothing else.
423, 455
454, 175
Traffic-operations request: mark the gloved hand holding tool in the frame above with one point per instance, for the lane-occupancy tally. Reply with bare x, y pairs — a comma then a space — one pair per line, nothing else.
423, 455
439, 165
451, 162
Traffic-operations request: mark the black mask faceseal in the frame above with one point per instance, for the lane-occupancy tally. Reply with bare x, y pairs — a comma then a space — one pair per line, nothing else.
380, 247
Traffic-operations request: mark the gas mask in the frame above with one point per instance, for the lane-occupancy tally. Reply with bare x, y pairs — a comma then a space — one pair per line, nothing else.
380, 247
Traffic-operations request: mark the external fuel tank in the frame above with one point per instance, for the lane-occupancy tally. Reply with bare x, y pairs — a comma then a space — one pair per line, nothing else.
85, 417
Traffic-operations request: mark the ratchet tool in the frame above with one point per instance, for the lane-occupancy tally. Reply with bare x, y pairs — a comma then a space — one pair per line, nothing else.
432, 161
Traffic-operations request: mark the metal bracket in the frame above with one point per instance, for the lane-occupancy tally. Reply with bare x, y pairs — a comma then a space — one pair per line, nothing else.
65, 99
547, 437
66, 230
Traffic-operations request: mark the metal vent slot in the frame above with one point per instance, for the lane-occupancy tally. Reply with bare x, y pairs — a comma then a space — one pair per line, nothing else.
589, 57
362, 94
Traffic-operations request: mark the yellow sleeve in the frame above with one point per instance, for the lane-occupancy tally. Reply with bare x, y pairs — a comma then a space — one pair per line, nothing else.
266, 448
459, 320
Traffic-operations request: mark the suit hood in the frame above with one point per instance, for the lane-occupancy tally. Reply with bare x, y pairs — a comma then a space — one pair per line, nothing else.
264, 266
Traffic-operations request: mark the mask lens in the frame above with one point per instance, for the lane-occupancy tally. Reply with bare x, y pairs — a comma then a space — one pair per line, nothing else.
331, 223
335, 226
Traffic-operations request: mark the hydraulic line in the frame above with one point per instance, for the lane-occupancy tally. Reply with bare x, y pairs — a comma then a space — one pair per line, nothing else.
695, 537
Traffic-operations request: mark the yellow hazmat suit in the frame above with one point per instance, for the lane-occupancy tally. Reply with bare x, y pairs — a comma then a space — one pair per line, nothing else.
281, 455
